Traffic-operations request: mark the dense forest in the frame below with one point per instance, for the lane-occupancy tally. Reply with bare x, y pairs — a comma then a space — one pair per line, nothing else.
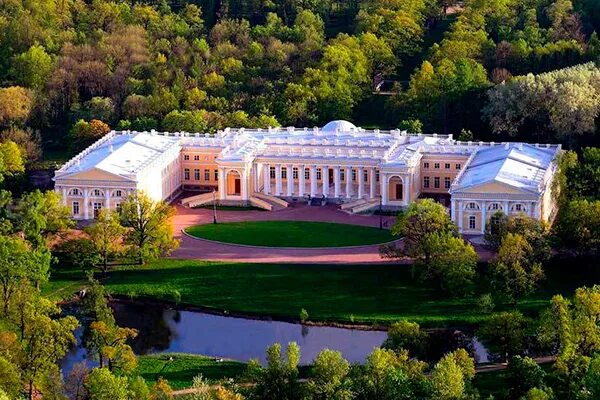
72, 69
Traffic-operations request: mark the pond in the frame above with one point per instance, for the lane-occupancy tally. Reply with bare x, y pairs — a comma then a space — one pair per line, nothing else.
163, 329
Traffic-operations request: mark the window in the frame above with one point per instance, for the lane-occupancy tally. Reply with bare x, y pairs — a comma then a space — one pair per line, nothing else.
283, 172
207, 174
377, 175
518, 207
447, 165
118, 193
216, 174
295, 173
457, 166
186, 157
426, 165
196, 158
319, 174
495, 206
447, 183
118, 207
472, 206
436, 182
75, 208
306, 173
365, 175
436, 165
342, 174
471, 222
353, 175
97, 193
186, 174
75, 192
425, 181
196, 174
272, 172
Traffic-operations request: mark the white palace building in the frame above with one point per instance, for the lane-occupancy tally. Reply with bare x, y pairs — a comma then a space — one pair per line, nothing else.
338, 163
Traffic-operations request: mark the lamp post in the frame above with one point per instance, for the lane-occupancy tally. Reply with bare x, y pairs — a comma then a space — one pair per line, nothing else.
214, 206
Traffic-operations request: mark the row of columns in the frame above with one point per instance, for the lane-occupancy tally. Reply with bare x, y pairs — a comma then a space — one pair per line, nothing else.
86, 198
533, 210
313, 181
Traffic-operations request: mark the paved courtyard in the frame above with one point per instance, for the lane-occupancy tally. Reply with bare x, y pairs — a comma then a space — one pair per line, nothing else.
194, 248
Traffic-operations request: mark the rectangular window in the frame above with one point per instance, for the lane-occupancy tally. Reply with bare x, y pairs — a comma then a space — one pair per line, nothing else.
207, 174
186, 174
447, 183
283, 173
216, 174
366, 175
342, 174
377, 176
425, 181
354, 175
295, 173
196, 158
306, 173
436, 165
447, 165
426, 165
436, 182
196, 174
75, 208
319, 174
272, 172
186, 157
457, 166
471, 222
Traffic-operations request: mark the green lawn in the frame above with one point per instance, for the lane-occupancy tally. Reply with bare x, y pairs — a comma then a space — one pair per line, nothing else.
360, 293
181, 370
291, 234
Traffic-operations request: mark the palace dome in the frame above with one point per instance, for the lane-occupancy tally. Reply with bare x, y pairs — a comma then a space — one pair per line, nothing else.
339, 125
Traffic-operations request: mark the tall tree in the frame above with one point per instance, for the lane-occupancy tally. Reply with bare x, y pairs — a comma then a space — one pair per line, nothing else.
107, 235
150, 229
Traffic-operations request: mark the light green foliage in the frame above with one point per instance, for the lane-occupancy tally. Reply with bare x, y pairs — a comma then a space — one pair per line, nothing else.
103, 385
151, 231
330, 377
11, 159
106, 233
408, 336
279, 380
451, 376
578, 226
524, 375
514, 273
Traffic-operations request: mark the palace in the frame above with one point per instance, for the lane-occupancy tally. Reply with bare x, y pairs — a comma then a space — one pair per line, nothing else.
341, 163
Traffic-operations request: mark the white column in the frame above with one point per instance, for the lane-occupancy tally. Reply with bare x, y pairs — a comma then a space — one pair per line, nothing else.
506, 209
290, 179
255, 177
452, 210
301, 180
278, 189
222, 184
86, 207
348, 182
107, 198
325, 180
360, 176
372, 183
267, 178
336, 182
64, 196
406, 188
460, 216
483, 217
313, 181
536, 210
245, 184
383, 188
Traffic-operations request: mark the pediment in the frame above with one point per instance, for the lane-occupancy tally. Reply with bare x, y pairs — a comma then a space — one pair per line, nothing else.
94, 174
492, 187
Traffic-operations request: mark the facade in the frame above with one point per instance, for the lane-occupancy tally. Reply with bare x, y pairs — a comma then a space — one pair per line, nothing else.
337, 163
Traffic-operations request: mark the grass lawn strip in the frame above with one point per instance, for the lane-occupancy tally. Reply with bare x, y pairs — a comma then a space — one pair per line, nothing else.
363, 294
302, 234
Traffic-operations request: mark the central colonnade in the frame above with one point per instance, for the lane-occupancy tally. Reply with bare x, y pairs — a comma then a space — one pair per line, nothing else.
323, 180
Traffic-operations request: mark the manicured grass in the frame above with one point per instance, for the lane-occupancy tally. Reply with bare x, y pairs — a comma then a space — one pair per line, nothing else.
291, 234
180, 369
359, 293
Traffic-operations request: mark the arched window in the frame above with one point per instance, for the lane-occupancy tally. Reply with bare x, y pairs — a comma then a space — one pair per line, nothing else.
117, 193
472, 206
495, 207
519, 208
97, 193
75, 192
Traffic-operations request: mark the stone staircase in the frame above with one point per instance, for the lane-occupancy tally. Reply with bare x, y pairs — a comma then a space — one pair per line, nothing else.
360, 205
198, 200
275, 202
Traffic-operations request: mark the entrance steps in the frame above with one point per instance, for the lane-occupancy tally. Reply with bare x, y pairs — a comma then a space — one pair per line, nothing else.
198, 200
360, 205
275, 202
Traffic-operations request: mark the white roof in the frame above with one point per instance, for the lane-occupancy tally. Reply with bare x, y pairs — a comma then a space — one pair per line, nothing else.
339, 125
519, 165
122, 154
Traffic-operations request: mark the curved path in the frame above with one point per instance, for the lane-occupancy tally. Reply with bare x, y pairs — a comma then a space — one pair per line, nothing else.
193, 248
